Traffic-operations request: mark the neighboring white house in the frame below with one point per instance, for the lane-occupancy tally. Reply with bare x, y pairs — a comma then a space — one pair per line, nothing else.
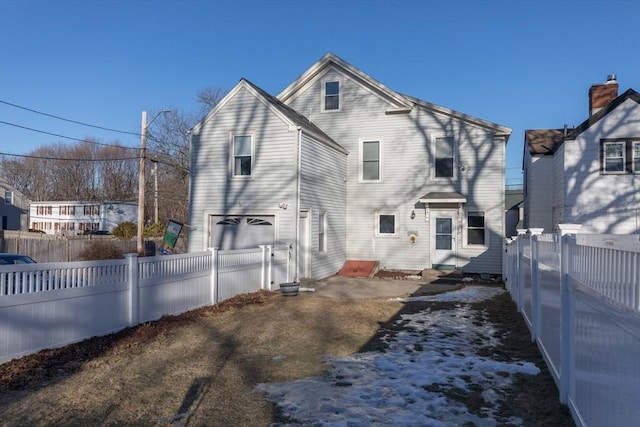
343, 168
590, 174
14, 208
75, 217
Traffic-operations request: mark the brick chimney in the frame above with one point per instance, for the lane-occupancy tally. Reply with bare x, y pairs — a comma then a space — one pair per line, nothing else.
600, 95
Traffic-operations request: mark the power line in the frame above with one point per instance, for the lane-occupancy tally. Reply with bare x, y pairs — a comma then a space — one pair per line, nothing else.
64, 136
69, 120
66, 159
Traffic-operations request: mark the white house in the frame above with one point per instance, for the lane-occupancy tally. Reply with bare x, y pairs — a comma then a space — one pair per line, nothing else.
75, 217
343, 168
589, 174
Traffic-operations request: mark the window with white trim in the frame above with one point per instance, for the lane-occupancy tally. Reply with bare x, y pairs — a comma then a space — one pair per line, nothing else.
322, 232
8, 197
371, 159
614, 157
386, 224
476, 228
242, 155
444, 157
331, 96
620, 156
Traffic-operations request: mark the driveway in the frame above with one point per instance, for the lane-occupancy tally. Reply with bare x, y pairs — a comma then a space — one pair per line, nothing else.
431, 282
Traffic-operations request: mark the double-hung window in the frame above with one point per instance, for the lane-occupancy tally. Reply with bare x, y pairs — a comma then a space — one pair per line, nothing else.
614, 157
444, 154
242, 149
620, 156
476, 228
371, 160
8, 197
331, 99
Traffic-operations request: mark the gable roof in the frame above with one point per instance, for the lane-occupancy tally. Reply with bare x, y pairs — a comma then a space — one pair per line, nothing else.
547, 141
332, 60
401, 103
499, 129
288, 114
629, 94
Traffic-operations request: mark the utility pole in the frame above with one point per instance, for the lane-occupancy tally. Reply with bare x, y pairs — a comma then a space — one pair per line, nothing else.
141, 180
155, 191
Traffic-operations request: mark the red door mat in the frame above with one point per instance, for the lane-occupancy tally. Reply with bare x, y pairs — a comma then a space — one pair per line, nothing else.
358, 268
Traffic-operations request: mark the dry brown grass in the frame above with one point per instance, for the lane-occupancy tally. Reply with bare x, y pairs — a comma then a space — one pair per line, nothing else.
200, 368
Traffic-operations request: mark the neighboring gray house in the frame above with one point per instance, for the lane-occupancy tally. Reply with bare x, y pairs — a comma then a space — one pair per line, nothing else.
514, 211
343, 168
14, 208
588, 175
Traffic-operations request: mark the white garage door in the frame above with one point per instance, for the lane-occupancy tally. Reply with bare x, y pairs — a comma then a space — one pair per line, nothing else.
242, 231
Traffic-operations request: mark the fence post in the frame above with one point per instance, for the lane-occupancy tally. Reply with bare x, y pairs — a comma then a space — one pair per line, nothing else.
269, 266
214, 275
567, 243
263, 269
134, 289
519, 273
535, 284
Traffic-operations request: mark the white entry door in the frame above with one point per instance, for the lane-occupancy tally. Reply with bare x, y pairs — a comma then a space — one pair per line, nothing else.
443, 240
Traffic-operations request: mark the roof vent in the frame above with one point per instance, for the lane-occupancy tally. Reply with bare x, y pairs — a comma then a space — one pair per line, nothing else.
611, 78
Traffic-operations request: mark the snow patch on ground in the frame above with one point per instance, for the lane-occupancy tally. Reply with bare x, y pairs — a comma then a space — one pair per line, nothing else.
431, 360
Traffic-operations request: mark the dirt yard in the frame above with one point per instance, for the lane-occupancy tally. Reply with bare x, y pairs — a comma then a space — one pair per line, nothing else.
200, 368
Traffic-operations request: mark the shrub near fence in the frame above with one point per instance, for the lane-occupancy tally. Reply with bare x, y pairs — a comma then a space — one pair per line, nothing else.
53, 304
43, 248
580, 297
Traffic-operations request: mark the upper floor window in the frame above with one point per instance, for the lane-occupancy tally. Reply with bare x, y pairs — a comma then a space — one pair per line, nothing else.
620, 156
242, 149
331, 99
8, 197
371, 160
444, 157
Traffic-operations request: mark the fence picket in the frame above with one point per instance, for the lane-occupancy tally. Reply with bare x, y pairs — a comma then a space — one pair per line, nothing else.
589, 328
135, 290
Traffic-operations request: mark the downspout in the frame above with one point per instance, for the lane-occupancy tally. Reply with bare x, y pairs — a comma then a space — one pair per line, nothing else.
297, 213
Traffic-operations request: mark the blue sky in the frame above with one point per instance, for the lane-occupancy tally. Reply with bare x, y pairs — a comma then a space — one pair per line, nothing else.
522, 64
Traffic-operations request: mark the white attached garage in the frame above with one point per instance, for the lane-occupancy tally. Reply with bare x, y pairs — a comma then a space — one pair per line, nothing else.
241, 231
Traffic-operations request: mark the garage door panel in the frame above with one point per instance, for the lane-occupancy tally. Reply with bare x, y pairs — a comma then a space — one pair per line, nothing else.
242, 231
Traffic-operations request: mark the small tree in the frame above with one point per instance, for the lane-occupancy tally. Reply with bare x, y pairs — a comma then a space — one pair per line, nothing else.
125, 230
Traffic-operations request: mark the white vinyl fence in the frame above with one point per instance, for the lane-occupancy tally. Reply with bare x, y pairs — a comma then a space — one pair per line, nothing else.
580, 297
50, 305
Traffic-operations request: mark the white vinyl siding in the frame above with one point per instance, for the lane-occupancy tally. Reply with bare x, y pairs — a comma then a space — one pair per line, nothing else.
273, 169
602, 203
407, 174
323, 192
